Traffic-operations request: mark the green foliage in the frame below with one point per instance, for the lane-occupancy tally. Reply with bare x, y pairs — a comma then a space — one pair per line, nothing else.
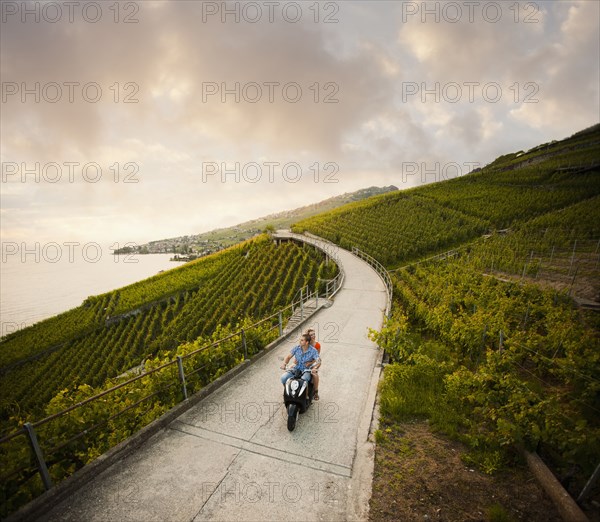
485, 354
211, 299
82, 435
412, 390
496, 513
119, 330
539, 386
497, 364
414, 383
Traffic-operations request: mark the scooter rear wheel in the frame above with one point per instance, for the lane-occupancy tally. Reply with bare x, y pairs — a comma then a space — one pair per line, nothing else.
292, 416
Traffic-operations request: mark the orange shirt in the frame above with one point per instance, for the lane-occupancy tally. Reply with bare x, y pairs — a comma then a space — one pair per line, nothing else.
318, 347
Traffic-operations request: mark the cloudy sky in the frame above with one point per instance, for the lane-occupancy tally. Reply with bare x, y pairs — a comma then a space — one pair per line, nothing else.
135, 121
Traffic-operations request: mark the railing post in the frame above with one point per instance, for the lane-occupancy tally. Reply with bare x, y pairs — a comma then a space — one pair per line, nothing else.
572, 256
573, 280
317, 298
590, 484
302, 310
37, 451
244, 344
182, 377
280, 324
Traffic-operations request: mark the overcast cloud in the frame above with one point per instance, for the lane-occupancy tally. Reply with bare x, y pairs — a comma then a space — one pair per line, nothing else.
371, 59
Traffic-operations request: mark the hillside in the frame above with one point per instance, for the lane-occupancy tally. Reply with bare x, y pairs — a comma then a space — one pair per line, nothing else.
208, 242
407, 225
494, 336
110, 333
485, 269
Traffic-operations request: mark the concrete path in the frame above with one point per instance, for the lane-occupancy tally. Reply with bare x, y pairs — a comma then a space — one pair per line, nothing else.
231, 457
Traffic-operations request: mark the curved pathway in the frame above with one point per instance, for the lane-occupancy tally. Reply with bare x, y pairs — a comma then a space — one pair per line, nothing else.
231, 457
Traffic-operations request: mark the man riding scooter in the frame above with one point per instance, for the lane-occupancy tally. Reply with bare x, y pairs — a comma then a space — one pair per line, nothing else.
306, 357
297, 385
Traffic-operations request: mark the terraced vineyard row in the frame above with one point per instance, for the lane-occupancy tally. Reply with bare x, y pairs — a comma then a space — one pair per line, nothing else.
560, 249
51, 332
493, 361
97, 310
399, 227
250, 281
503, 198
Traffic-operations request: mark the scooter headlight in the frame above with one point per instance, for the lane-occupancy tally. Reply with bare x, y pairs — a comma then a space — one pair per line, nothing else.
295, 385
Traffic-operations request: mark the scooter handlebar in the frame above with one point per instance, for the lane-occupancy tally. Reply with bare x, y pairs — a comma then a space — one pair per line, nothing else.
293, 368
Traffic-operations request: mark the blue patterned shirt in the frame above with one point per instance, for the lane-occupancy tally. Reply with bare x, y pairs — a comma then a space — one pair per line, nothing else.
304, 357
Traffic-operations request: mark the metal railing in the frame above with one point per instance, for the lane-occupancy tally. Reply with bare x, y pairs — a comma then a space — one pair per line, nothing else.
332, 286
383, 273
29, 429
40, 460
304, 297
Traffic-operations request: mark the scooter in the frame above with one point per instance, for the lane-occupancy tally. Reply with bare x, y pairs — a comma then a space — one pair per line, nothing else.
297, 396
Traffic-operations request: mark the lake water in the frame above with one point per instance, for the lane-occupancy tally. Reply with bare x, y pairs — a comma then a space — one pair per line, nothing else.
43, 283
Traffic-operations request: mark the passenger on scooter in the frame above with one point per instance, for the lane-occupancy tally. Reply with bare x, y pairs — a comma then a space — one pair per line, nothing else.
305, 356
313, 340
316, 344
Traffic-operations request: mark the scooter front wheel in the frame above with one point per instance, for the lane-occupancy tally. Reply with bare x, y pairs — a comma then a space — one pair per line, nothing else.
292, 416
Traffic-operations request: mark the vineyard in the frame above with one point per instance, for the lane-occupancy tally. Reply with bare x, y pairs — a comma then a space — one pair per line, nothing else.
556, 250
405, 226
391, 228
498, 364
111, 333
487, 336
190, 325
